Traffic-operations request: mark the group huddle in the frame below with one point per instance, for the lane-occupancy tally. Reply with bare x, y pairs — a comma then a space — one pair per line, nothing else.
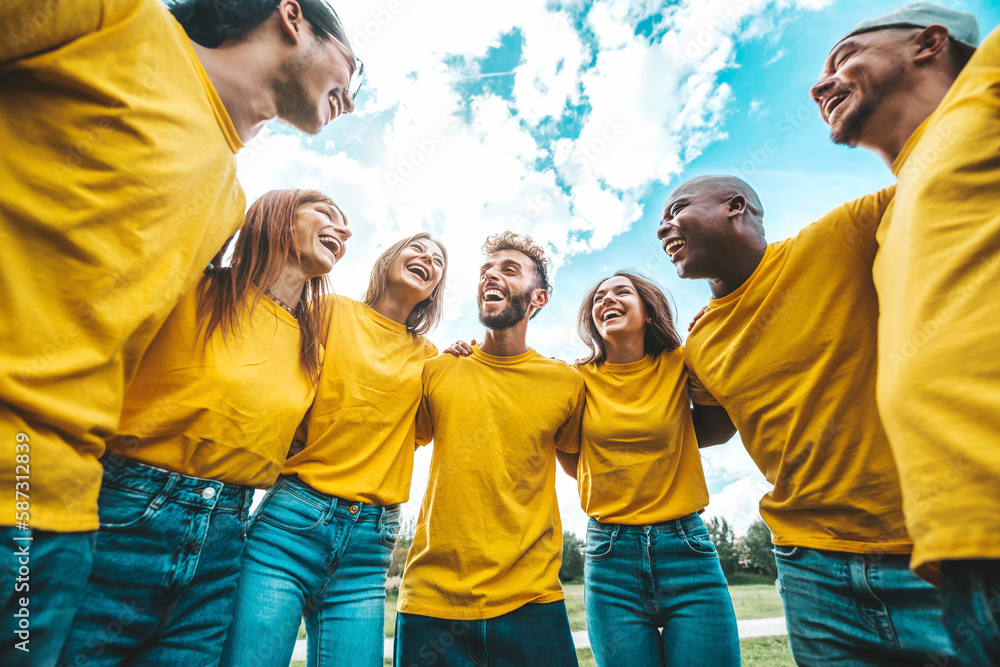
153, 374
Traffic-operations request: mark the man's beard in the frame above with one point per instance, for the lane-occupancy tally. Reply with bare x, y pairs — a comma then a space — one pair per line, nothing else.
296, 107
515, 310
853, 126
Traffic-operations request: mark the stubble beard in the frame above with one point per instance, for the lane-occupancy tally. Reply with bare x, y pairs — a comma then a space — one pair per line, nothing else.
295, 105
515, 310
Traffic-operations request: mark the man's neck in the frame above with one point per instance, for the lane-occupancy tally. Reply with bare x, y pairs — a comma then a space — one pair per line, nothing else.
887, 137
738, 268
241, 79
506, 342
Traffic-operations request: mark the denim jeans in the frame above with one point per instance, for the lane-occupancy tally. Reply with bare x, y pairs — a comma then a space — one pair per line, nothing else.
165, 569
971, 591
313, 555
535, 635
846, 609
48, 571
638, 579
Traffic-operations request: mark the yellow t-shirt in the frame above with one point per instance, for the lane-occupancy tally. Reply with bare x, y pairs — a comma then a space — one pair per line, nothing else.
359, 432
118, 174
791, 356
639, 459
938, 280
226, 414
488, 537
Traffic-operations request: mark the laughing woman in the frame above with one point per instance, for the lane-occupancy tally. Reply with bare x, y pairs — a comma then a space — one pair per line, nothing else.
322, 539
207, 418
649, 564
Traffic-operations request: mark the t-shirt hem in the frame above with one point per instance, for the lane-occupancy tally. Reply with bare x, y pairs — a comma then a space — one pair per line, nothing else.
848, 546
926, 563
453, 614
77, 523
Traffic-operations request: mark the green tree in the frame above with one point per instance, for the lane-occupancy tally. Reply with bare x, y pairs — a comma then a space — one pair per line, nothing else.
723, 537
572, 558
759, 549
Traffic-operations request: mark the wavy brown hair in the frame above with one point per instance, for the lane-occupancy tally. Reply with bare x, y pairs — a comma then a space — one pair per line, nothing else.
259, 257
661, 334
426, 314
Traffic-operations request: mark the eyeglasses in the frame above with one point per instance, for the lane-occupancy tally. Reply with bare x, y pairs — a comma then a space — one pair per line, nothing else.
358, 76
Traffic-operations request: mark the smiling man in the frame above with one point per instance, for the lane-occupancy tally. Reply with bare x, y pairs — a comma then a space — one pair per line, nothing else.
787, 347
119, 132
481, 579
912, 87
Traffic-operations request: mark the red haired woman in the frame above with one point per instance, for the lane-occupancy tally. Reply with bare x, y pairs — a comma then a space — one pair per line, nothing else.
207, 418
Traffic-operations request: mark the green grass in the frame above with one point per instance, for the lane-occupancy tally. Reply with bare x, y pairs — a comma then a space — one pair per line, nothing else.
750, 601
766, 652
756, 601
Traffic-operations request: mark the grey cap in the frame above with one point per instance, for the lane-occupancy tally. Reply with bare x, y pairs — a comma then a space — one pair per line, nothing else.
962, 26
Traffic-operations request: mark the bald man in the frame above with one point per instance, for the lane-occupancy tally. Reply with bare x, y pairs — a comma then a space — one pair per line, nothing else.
912, 87
787, 347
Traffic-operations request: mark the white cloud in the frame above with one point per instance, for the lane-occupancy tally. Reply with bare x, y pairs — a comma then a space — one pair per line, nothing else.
464, 168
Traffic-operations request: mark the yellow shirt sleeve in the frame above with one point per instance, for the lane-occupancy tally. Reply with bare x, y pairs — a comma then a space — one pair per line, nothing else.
791, 357
119, 169
639, 462
31, 27
700, 395
938, 280
360, 432
488, 537
226, 411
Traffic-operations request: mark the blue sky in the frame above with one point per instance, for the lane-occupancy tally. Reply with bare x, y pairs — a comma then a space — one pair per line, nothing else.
572, 122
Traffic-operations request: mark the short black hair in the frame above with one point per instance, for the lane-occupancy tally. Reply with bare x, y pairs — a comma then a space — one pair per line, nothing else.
212, 22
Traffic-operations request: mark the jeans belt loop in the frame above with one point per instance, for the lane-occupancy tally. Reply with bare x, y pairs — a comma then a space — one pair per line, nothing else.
165, 490
614, 533
679, 523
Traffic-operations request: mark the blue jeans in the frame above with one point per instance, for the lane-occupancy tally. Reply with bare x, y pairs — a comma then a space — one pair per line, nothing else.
535, 635
638, 579
971, 591
165, 569
847, 609
49, 572
313, 555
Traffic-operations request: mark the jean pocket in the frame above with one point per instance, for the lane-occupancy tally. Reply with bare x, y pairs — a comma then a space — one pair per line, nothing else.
600, 544
786, 553
390, 533
289, 511
700, 544
123, 509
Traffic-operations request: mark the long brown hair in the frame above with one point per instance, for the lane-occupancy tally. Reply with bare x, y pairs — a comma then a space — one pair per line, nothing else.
661, 334
426, 314
259, 257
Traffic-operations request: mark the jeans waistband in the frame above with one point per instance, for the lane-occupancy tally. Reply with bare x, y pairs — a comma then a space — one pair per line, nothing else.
333, 504
142, 478
682, 526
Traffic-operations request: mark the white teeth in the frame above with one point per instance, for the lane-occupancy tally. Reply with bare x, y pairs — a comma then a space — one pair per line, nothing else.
419, 269
830, 102
331, 240
674, 246
608, 314
493, 292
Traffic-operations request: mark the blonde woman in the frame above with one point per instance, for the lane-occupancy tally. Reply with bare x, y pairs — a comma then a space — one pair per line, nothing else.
207, 418
322, 539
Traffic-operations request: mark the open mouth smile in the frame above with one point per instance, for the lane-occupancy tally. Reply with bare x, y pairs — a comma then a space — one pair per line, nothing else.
832, 103
419, 271
611, 314
492, 295
331, 243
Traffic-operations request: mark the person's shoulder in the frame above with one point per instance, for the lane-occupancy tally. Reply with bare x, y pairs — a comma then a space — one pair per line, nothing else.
557, 368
